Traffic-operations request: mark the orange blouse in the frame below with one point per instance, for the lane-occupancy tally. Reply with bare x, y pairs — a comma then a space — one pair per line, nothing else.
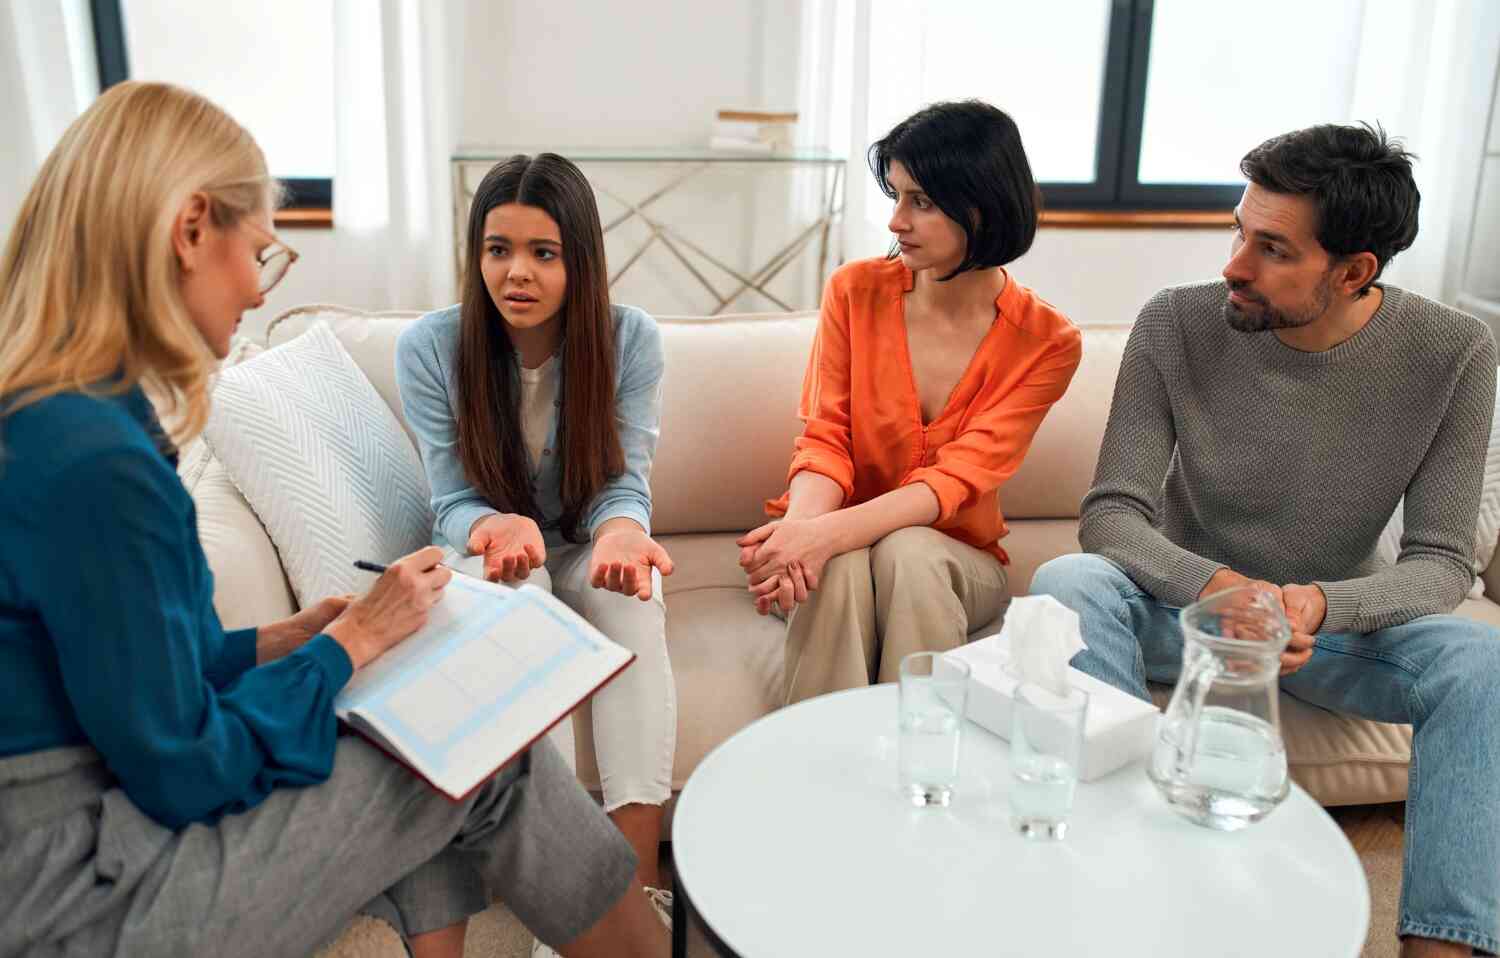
864, 420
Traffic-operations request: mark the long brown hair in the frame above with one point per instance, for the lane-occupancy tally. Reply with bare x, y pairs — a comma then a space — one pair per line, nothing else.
490, 441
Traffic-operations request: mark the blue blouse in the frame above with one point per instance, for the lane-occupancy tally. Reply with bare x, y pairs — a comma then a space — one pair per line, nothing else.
426, 374
108, 635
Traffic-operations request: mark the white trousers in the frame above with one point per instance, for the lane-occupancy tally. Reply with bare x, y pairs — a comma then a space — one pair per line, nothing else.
635, 716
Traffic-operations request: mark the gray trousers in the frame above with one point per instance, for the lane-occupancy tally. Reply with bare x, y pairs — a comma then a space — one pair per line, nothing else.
84, 872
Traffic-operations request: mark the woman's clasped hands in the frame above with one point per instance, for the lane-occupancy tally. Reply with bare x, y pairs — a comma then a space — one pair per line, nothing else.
784, 561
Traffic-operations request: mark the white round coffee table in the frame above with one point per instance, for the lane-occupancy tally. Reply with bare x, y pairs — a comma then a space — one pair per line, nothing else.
791, 839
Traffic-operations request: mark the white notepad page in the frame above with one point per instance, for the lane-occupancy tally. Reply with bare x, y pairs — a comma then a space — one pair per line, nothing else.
492, 671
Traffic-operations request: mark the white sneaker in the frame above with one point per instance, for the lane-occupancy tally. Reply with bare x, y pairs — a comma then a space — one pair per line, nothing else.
661, 901
539, 950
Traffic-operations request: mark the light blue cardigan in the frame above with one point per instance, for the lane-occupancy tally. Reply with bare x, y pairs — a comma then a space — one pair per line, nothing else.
426, 370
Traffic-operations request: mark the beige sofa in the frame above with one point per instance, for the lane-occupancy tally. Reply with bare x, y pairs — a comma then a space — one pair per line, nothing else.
729, 418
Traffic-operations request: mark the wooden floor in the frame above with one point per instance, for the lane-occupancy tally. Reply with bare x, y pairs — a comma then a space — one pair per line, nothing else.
1372, 827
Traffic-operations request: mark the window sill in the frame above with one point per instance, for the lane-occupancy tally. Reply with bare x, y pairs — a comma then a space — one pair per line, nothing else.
1138, 219
305, 218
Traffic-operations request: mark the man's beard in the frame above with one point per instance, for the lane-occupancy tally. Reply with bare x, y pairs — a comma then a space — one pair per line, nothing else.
1261, 316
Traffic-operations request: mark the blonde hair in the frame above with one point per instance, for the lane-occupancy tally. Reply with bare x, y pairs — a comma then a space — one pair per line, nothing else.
90, 294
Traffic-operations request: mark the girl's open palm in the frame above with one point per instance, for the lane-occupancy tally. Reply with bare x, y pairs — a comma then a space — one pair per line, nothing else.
511, 545
623, 560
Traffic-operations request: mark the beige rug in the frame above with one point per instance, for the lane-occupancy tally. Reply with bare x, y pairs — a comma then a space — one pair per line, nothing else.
494, 934
1383, 872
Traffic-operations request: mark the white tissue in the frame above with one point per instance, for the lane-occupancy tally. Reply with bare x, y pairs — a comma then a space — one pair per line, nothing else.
1043, 636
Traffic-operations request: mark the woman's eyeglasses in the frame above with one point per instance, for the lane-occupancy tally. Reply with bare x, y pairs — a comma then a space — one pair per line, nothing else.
274, 260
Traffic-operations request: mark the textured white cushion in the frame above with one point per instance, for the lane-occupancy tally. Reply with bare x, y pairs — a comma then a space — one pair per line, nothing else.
369, 338
320, 458
1486, 530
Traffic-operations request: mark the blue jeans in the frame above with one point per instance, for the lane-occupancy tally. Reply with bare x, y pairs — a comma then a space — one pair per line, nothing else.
1440, 673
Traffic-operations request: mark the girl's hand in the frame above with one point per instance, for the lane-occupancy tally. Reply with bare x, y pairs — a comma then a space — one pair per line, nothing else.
623, 559
770, 551
395, 607
511, 545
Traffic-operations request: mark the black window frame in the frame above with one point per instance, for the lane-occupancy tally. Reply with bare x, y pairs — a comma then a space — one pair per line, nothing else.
304, 193
1117, 157
1122, 114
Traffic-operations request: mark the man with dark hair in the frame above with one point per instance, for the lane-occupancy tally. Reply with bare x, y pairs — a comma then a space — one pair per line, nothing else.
1264, 429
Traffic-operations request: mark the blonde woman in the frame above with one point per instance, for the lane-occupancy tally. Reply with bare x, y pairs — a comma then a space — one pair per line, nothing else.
167, 787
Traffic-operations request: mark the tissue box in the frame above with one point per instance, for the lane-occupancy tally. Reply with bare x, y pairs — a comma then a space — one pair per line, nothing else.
1119, 728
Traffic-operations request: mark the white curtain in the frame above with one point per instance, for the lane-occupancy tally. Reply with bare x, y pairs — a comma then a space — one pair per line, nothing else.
47, 77
395, 65
1426, 70
833, 97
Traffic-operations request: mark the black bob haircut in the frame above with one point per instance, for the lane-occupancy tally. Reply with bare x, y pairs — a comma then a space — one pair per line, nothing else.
967, 157
1360, 181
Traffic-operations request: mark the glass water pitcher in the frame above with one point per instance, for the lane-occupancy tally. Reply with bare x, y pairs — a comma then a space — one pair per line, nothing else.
1219, 759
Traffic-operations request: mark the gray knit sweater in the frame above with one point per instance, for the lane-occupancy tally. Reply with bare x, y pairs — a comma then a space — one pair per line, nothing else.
1285, 465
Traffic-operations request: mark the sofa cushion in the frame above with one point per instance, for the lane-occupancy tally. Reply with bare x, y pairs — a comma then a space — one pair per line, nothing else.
368, 338
1059, 466
1487, 527
729, 418
322, 461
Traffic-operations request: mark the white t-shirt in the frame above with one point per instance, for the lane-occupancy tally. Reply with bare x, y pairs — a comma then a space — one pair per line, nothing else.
539, 404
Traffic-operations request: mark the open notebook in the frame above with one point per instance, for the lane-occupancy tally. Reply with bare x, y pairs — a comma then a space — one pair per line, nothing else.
492, 671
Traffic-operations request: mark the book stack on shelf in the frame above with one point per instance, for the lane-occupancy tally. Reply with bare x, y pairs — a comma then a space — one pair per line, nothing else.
753, 131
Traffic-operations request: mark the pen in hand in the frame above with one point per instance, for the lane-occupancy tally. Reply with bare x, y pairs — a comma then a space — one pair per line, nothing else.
377, 568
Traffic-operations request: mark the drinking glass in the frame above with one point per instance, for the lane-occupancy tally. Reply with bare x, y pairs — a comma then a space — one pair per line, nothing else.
1046, 746
934, 690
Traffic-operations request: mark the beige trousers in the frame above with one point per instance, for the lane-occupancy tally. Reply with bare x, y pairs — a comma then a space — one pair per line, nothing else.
916, 590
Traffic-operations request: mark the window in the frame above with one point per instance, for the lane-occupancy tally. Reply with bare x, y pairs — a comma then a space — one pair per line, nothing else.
1123, 104
270, 64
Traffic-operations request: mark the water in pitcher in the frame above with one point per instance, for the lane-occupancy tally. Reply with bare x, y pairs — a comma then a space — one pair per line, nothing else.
1232, 777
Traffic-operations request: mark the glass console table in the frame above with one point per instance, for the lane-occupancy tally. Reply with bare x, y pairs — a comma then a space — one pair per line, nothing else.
699, 231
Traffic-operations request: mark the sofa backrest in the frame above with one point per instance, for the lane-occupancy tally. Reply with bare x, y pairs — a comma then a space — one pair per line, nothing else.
729, 412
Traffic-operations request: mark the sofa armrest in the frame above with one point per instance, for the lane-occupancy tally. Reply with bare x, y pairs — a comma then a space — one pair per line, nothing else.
250, 587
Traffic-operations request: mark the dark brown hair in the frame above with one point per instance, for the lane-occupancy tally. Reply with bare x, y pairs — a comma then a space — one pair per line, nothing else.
1359, 179
490, 442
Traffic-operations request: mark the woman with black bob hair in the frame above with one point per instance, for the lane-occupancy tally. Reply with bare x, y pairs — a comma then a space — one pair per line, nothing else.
930, 374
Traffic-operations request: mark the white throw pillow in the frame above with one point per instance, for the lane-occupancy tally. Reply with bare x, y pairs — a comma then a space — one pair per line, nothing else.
1486, 530
322, 461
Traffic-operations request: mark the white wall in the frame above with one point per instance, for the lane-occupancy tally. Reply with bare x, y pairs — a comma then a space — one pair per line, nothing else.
1106, 276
